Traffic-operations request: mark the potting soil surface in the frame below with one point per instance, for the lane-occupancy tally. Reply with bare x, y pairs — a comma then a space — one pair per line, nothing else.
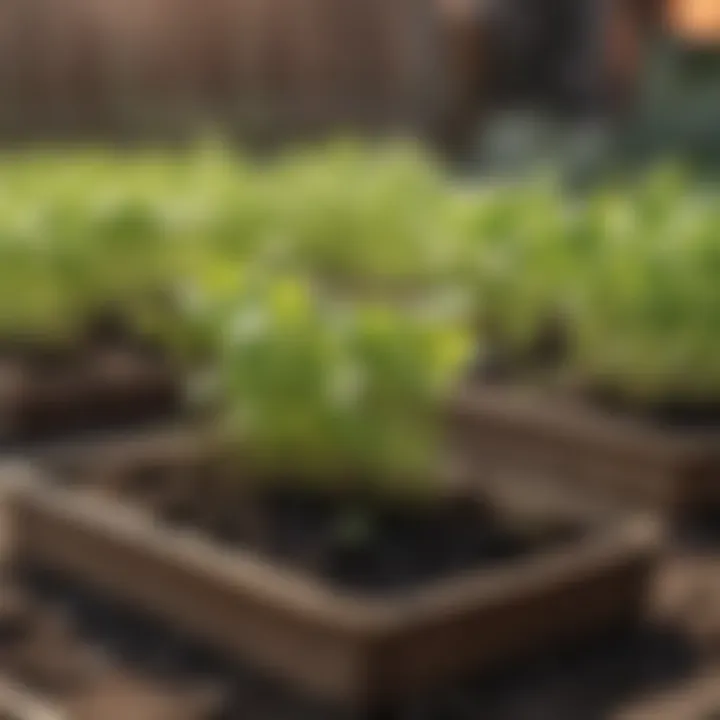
368, 548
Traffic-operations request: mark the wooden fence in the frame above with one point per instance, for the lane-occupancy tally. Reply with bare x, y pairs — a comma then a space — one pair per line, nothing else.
266, 67
271, 69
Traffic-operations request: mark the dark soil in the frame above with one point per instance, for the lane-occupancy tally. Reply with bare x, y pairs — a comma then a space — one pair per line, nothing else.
359, 543
370, 548
700, 531
85, 651
672, 413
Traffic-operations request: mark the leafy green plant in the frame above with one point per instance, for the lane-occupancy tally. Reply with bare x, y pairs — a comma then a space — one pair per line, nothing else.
359, 218
646, 320
89, 232
181, 243
335, 392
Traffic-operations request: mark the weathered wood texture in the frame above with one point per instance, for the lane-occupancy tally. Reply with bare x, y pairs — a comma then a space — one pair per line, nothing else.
293, 66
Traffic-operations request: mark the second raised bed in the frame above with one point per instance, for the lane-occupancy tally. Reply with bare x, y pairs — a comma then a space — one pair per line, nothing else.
522, 433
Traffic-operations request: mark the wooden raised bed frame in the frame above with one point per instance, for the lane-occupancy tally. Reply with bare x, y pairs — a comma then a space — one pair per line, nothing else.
515, 432
343, 648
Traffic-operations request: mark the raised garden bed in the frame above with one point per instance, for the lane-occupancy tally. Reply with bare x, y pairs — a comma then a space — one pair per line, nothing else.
334, 622
44, 395
516, 431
